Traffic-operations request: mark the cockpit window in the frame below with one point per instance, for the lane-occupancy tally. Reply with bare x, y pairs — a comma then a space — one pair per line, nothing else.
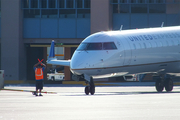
97, 46
94, 46
109, 46
82, 46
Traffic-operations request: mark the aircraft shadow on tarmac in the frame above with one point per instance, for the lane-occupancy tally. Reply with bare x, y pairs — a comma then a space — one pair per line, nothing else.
119, 93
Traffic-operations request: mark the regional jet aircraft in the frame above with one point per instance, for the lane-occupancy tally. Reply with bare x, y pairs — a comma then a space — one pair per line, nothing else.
118, 53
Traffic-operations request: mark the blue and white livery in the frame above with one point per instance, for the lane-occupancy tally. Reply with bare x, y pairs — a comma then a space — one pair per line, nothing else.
117, 53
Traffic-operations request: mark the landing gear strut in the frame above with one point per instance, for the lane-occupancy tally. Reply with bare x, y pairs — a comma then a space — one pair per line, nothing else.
164, 82
90, 88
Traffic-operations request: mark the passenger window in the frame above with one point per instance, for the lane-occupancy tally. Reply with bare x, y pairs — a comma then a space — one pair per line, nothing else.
150, 45
144, 45
156, 44
140, 45
167, 43
172, 42
109, 46
134, 46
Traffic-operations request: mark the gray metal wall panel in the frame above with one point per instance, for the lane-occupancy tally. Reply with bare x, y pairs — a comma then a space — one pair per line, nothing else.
83, 28
139, 21
121, 19
49, 28
155, 20
31, 28
173, 19
67, 28
13, 52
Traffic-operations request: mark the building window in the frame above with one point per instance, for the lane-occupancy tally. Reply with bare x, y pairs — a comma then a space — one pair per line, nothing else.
132, 1
31, 13
67, 13
79, 3
0, 4
83, 13
61, 3
123, 1
139, 8
25, 3
56, 8
34, 4
87, 3
157, 8
52, 4
114, 1
141, 1
160, 1
117, 8
43, 3
49, 13
69, 3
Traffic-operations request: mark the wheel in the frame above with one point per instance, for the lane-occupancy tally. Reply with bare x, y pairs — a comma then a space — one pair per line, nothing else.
87, 90
92, 90
159, 85
52, 78
169, 84
92, 86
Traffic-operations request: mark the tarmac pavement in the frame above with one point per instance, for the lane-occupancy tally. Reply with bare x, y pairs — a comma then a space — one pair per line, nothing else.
109, 103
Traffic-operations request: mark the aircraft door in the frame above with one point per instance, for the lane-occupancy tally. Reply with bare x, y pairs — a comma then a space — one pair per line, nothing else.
120, 53
127, 52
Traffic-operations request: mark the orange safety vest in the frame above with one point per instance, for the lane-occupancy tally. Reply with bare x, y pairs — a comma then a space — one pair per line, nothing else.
39, 73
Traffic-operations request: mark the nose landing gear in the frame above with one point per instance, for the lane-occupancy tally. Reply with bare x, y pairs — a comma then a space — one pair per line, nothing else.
90, 88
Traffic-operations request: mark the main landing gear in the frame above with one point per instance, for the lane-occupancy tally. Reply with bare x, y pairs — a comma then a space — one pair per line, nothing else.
90, 88
162, 82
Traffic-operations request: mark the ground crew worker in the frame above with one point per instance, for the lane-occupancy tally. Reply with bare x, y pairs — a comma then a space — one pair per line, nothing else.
39, 68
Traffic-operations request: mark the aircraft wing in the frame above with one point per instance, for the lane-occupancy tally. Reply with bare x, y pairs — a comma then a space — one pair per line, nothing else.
53, 60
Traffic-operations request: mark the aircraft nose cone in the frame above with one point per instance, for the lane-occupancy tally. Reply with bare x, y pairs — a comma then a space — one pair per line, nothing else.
76, 61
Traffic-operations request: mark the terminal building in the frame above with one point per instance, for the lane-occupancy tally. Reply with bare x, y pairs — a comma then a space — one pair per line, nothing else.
28, 27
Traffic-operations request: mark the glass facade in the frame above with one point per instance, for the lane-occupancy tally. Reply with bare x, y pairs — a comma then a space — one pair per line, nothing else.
139, 6
56, 8
145, 13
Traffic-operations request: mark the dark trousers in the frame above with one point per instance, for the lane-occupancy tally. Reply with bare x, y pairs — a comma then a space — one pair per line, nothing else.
39, 84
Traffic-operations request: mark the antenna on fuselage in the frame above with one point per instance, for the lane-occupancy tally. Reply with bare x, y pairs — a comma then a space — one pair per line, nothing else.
162, 25
121, 27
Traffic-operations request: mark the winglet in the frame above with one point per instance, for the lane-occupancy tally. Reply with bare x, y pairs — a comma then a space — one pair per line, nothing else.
51, 52
53, 60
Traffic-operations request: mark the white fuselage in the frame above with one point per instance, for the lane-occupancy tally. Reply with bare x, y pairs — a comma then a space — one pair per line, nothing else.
152, 50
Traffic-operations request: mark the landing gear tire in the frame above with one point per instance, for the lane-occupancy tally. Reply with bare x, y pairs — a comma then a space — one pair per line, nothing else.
159, 85
169, 84
87, 90
90, 88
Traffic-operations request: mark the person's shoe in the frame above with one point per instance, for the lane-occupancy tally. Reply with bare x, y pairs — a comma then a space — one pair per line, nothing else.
36, 94
40, 95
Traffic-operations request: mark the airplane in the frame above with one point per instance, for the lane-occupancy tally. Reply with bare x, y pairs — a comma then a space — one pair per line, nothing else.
126, 52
